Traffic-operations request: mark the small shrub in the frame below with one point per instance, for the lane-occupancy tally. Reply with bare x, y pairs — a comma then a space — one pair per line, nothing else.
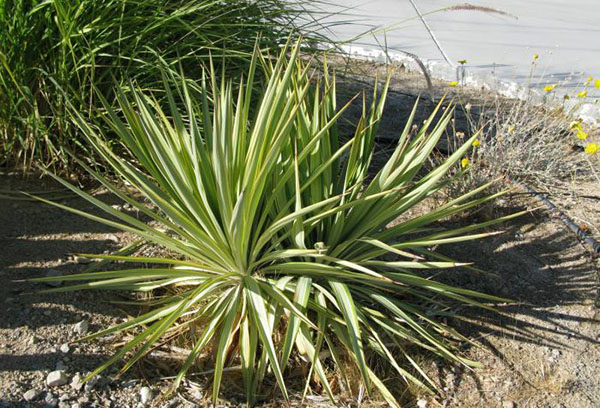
282, 247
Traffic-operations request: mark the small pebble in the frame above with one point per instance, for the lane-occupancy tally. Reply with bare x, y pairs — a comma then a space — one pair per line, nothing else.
508, 404
82, 260
57, 378
51, 400
112, 238
31, 395
52, 273
65, 348
81, 327
77, 382
422, 403
145, 395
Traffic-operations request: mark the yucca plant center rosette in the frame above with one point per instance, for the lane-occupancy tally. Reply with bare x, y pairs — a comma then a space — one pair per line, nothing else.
281, 236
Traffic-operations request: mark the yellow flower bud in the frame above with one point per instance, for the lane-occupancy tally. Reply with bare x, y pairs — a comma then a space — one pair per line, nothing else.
592, 148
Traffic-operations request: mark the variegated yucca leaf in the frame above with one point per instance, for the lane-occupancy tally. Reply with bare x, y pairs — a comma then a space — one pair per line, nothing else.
279, 233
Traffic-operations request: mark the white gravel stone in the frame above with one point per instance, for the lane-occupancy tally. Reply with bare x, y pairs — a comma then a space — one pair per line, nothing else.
112, 238
57, 378
81, 327
65, 348
422, 403
77, 382
145, 395
31, 395
82, 260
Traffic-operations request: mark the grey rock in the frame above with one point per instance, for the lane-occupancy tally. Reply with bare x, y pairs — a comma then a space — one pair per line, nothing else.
81, 327
51, 400
57, 378
52, 273
31, 394
145, 395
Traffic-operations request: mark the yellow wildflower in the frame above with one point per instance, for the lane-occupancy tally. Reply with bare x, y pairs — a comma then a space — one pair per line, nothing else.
588, 80
575, 125
582, 135
592, 148
549, 88
582, 94
462, 61
536, 56
510, 129
597, 83
476, 143
464, 162
453, 84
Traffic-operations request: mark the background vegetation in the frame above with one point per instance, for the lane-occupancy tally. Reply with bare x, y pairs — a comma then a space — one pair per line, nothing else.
56, 49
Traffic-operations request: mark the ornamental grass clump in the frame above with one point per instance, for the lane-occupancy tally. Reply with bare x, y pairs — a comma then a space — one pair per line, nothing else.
49, 48
279, 234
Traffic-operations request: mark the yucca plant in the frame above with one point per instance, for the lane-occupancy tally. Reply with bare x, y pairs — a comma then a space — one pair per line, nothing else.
279, 238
